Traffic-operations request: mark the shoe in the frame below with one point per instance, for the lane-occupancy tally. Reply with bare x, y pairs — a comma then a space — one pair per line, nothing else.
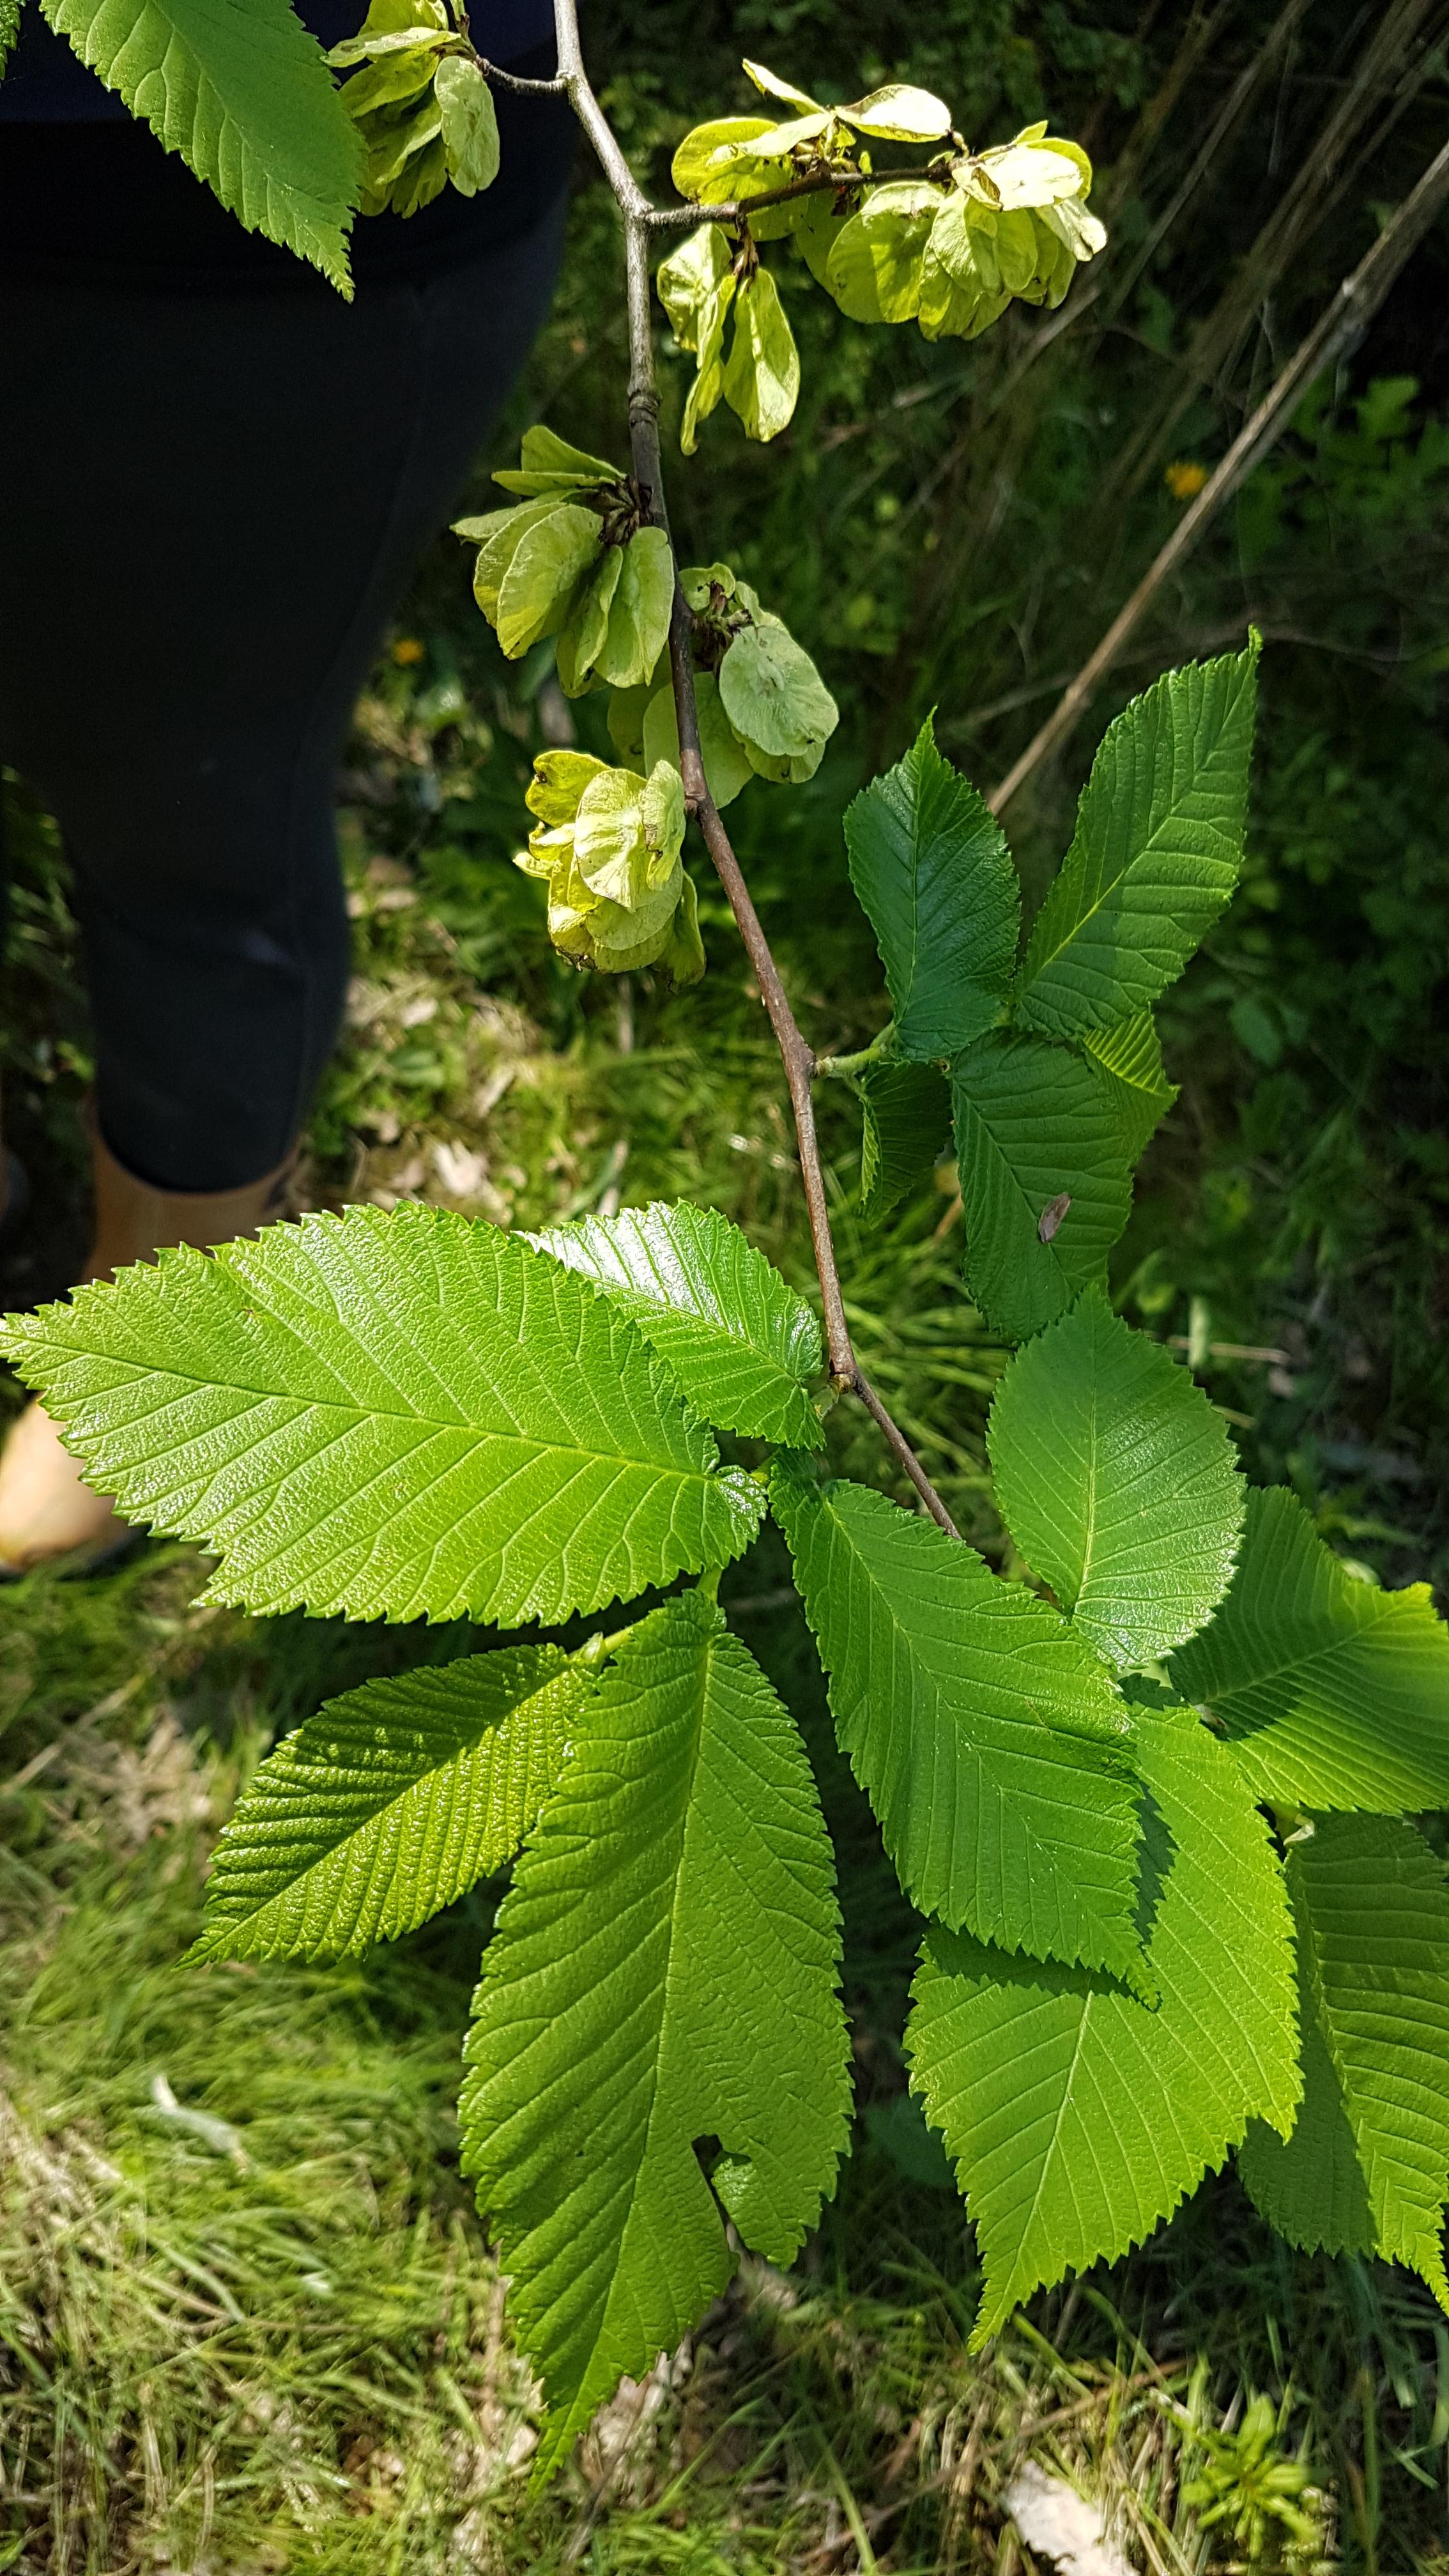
46, 1512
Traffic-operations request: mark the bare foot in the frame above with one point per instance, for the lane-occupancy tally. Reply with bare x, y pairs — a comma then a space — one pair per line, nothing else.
45, 1510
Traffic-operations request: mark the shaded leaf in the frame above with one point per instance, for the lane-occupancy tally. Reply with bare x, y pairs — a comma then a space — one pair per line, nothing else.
1332, 1693
1033, 1124
1078, 2117
906, 1127
1367, 2166
931, 867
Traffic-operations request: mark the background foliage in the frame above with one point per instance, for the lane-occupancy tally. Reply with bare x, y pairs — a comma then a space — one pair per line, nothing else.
272, 2338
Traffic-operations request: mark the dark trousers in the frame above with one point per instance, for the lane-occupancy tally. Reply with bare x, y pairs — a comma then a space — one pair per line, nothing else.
210, 504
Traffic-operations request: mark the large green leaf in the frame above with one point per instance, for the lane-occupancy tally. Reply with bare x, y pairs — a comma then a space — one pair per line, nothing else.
1332, 1693
989, 1741
663, 1972
1156, 853
742, 1344
1078, 2117
1117, 1481
402, 1416
1367, 2166
389, 1803
242, 91
930, 864
1129, 1059
1035, 1125
906, 1122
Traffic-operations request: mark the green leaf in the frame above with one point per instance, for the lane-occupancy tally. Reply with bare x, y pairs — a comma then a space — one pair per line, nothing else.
547, 464
1332, 1693
1078, 2117
663, 1972
1156, 853
406, 1416
1117, 1481
761, 379
742, 1344
582, 635
9, 30
907, 1125
1129, 1058
773, 695
470, 125
989, 1741
1367, 2166
874, 266
930, 865
389, 1804
726, 765
1034, 1125
639, 612
246, 98
551, 557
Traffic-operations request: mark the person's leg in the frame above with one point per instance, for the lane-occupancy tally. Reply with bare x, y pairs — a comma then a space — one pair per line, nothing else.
208, 509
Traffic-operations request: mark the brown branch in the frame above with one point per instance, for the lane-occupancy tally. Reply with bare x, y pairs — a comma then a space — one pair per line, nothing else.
515, 80
1341, 321
796, 1053
736, 210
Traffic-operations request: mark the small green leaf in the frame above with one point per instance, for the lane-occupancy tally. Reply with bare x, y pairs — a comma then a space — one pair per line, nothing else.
1367, 2166
906, 1127
1117, 1481
1156, 853
9, 30
582, 635
742, 1344
761, 379
930, 865
1332, 1693
547, 464
470, 125
551, 558
900, 114
405, 1416
389, 1804
246, 98
1035, 1124
989, 1741
663, 1972
874, 266
639, 612
726, 765
1129, 1058
773, 695
1078, 2117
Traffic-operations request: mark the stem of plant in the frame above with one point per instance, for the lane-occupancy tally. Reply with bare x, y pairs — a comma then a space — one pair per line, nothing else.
796, 1054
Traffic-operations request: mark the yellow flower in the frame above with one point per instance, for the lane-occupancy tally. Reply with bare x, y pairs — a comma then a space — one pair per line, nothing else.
1185, 478
407, 649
